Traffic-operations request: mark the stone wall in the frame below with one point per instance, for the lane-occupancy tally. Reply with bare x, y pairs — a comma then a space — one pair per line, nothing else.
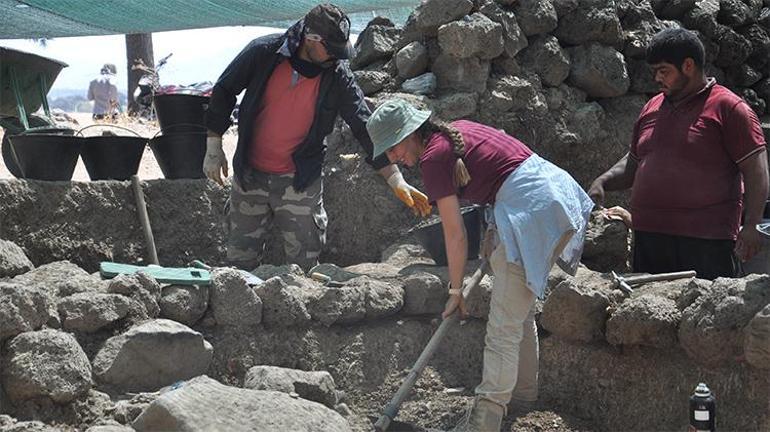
72, 345
568, 77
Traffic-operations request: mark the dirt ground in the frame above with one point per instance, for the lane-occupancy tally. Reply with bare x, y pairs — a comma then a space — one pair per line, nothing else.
148, 168
437, 408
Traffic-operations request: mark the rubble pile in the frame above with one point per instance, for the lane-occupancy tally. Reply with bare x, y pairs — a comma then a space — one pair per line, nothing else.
87, 352
568, 77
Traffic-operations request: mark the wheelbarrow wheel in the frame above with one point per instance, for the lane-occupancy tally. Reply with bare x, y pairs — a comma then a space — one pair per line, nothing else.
13, 126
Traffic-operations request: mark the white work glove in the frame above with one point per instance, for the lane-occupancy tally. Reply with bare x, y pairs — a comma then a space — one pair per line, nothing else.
215, 162
409, 195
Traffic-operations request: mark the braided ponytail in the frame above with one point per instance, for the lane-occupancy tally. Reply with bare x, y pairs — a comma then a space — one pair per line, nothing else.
460, 175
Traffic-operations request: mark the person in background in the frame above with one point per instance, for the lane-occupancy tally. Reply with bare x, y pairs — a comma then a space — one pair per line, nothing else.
695, 147
296, 83
104, 92
540, 217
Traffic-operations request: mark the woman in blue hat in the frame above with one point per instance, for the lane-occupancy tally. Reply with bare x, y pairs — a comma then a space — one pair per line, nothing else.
540, 217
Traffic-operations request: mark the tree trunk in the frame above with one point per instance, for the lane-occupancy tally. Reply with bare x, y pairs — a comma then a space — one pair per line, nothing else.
138, 47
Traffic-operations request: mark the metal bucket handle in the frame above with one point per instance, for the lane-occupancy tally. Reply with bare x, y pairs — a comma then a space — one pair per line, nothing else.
80, 132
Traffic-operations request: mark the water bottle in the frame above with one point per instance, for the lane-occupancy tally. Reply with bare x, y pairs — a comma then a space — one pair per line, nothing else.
702, 410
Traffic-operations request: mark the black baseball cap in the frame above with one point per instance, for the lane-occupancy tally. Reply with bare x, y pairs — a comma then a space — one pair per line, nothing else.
331, 23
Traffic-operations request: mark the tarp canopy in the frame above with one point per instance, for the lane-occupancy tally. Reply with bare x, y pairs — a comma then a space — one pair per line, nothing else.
32, 19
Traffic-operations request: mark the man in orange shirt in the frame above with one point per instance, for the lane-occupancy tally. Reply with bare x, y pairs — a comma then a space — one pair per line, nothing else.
295, 84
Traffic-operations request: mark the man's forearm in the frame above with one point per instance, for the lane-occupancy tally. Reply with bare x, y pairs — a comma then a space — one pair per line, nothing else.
620, 176
755, 179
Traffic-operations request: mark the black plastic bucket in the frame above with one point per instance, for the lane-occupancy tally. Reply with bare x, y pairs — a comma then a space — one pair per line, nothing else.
111, 157
180, 155
46, 156
431, 235
179, 113
38, 128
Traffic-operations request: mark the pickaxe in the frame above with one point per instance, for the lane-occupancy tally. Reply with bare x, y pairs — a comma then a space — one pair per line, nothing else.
624, 283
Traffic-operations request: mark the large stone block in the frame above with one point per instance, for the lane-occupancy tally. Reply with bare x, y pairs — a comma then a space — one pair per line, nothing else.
711, 331
48, 364
535, 16
13, 260
546, 57
592, 21
203, 404
468, 74
89, 312
232, 300
576, 311
475, 35
598, 70
514, 39
152, 355
22, 309
648, 320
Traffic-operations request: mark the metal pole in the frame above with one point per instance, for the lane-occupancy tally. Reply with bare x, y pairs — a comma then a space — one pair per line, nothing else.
144, 218
391, 410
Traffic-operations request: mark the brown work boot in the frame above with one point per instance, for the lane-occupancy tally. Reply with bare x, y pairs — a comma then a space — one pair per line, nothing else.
483, 416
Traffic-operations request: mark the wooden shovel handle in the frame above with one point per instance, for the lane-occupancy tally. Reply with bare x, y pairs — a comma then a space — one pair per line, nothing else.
144, 219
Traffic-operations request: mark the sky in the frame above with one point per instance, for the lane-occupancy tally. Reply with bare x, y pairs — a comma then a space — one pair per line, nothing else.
198, 55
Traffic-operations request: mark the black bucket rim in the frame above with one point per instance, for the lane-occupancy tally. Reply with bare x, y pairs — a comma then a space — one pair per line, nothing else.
430, 235
183, 112
73, 141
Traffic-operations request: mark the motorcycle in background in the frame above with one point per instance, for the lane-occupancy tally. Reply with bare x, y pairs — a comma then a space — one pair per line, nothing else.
148, 85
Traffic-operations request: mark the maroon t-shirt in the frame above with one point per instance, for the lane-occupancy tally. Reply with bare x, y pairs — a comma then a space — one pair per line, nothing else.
490, 155
688, 182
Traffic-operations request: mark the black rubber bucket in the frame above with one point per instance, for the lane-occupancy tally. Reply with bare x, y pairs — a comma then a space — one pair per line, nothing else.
431, 235
180, 155
39, 127
111, 157
179, 113
46, 156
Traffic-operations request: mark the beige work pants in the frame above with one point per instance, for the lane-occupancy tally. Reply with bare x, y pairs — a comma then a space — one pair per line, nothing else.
511, 346
511, 350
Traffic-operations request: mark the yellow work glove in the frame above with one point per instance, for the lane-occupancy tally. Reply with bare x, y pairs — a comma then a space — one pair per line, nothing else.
409, 195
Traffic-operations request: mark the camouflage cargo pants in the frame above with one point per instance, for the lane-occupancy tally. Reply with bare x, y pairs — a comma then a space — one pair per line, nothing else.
261, 202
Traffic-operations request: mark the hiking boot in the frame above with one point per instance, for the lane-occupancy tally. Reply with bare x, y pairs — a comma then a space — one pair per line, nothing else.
484, 416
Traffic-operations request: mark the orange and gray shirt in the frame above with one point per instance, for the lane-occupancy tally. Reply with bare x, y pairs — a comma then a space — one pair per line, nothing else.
283, 119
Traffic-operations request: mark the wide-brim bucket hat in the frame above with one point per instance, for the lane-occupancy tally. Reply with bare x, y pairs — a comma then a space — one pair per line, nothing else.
392, 122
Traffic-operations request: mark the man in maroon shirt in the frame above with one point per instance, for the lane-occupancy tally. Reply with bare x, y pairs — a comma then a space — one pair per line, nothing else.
695, 147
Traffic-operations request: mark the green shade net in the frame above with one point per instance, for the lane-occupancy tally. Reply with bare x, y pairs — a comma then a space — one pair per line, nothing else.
60, 18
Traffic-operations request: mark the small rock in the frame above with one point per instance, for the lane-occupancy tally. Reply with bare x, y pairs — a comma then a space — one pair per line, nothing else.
266, 271
316, 386
184, 303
